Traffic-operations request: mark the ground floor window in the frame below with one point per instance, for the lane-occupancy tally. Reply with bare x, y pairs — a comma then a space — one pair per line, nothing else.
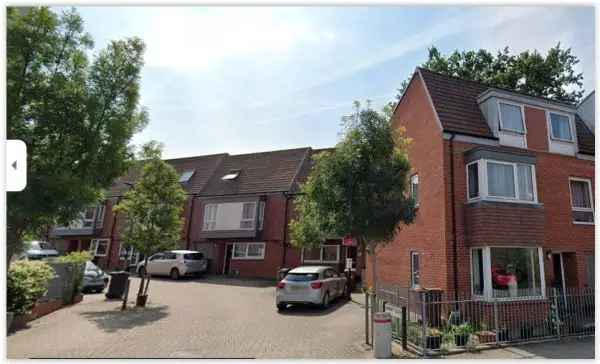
322, 254
99, 247
248, 251
590, 270
507, 272
128, 254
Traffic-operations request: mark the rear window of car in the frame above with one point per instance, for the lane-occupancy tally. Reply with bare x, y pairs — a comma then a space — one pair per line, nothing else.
302, 277
193, 256
46, 246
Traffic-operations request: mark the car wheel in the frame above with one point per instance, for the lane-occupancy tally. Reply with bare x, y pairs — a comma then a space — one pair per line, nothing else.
142, 271
174, 274
326, 300
281, 306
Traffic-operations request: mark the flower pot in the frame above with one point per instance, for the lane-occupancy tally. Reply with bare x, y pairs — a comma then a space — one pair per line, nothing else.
141, 300
461, 340
9, 320
486, 337
433, 342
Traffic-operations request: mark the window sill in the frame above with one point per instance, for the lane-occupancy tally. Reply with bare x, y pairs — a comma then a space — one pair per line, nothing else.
583, 223
503, 200
508, 299
247, 258
562, 141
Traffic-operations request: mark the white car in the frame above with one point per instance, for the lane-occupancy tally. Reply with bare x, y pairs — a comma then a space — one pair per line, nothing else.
39, 250
174, 263
318, 285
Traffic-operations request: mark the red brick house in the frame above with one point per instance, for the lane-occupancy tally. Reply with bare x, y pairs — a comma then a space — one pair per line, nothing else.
504, 183
237, 213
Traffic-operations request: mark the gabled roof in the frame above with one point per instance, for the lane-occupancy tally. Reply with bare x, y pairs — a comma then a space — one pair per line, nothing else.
203, 167
306, 168
264, 172
456, 102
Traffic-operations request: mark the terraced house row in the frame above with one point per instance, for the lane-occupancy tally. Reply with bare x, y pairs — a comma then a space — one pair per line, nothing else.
237, 212
504, 184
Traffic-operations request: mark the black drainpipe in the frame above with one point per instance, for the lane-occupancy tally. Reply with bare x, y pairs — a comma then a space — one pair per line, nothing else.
285, 229
190, 223
112, 234
453, 202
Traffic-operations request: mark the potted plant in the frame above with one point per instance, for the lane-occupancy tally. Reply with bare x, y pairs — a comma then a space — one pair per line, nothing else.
462, 333
433, 339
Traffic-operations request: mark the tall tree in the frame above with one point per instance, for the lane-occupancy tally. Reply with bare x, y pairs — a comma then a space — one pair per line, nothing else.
152, 209
359, 189
76, 118
552, 76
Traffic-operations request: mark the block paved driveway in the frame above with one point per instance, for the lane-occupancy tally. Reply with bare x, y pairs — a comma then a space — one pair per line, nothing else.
200, 318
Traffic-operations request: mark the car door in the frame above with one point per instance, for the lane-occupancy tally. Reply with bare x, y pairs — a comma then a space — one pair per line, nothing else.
335, 282
154, 263
168, 262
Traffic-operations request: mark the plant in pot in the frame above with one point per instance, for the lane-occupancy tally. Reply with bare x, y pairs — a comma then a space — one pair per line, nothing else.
433, 339
462, 333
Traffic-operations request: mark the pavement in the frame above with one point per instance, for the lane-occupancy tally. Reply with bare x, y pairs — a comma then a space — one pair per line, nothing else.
570, 348
194, 318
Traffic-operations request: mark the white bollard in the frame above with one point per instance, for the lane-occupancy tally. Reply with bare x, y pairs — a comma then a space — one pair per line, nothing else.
382, 338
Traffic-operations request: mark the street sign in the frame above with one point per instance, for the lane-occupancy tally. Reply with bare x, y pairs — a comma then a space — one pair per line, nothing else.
348, 241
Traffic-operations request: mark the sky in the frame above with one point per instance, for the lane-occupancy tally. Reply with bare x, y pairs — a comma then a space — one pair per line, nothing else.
250, 79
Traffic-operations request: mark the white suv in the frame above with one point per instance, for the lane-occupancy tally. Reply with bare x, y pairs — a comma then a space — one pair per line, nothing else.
174, 263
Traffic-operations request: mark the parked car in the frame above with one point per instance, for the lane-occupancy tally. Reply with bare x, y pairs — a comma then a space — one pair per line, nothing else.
174, 263
94, 279
38, 249
317, 285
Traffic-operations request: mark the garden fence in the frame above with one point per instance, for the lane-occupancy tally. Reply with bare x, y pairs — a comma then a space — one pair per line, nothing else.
438, 322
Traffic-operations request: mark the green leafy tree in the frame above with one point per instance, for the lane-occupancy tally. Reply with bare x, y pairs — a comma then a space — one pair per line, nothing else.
76, 118
152, 209
552, 76
359, 189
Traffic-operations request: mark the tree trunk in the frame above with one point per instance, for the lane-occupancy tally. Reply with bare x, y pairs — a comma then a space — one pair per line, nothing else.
373, 254
14, 241
141, 289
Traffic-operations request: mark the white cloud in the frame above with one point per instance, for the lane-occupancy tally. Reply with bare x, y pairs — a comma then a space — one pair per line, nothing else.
201, 38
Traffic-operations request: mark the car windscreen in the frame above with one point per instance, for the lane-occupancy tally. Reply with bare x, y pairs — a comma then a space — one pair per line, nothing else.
193, 256
89, 266
45, 246
302, 277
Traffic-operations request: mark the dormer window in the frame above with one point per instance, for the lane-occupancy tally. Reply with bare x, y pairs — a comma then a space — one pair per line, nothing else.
560, 125
511, 117
231, 175
185, 176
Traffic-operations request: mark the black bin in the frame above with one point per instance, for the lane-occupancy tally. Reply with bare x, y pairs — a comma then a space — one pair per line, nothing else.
118, 283
282, 273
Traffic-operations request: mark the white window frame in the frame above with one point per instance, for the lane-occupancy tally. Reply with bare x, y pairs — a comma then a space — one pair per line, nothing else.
252, 220
483, 182
412, 269
246, 248
210, 222
502, 128
95, 243
261, 214
582, 209
414, 180
320, 260
479, 177
487, 273
551, 130
99, 214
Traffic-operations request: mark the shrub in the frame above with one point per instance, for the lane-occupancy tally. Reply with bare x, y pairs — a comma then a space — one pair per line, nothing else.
27, 282
76, 257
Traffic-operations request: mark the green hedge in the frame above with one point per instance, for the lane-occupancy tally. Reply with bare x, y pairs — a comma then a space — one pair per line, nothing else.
27, 282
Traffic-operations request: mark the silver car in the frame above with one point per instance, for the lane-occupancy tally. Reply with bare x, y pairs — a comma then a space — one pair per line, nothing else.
174, 263
94, 279
39, 250
318, 285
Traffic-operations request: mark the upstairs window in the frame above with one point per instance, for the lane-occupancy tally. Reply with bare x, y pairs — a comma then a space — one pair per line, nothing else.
100, 215
87, 218
581, 201
560, 125
511, 117
248, 215
414, 188
210, 217
501, 181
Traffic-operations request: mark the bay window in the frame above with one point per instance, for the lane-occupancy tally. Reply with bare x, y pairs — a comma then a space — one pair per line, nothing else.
322, 254
248, 211
500, 180
581, 201
507, 272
